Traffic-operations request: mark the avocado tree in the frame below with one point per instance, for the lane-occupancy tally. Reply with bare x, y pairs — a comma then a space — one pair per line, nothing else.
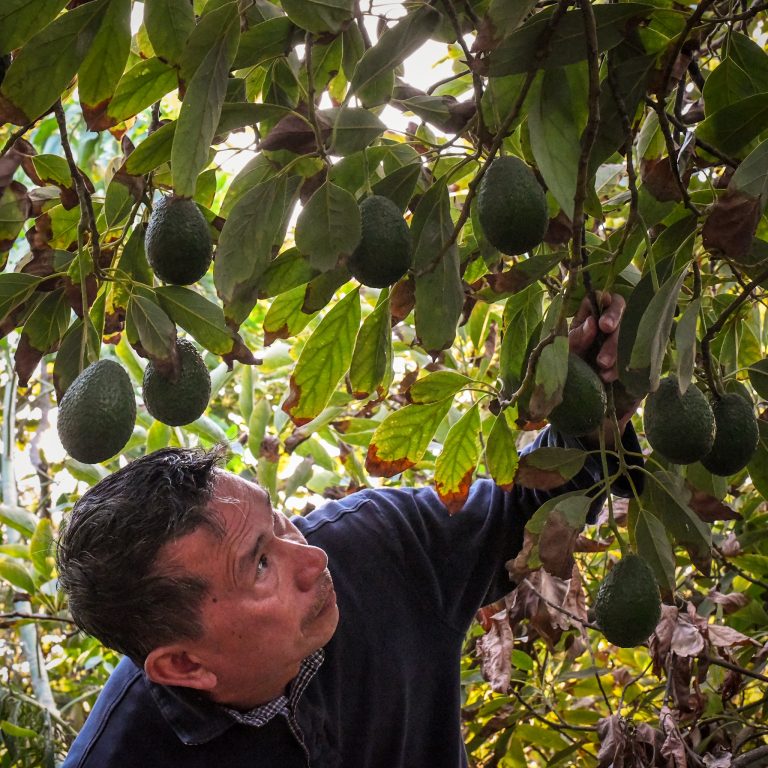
393, 273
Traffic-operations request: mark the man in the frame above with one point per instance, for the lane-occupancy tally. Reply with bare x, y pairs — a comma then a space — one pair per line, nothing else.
332, 640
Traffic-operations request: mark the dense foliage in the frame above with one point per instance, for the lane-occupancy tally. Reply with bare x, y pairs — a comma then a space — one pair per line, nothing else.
645, 122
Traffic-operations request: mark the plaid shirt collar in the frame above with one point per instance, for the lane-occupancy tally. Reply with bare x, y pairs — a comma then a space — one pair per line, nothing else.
196, 719
283, 704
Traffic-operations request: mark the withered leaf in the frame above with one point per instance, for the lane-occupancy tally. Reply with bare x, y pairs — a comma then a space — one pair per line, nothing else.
708, 508
296, 135
494, 649
659, 178
731, 224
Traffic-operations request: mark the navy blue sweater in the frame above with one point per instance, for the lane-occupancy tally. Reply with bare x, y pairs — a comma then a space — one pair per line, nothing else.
409, 579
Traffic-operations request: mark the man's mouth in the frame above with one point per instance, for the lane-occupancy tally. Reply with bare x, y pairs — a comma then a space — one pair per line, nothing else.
326, 596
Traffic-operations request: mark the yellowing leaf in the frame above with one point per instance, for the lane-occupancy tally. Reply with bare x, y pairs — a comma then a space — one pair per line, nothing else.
501, 453
437, 386
457, 461
402, 438
324, 360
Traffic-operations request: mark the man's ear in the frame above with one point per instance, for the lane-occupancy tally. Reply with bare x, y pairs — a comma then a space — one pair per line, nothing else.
174, 665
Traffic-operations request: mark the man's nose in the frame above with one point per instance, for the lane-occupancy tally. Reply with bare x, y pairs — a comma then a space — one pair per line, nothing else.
309, 563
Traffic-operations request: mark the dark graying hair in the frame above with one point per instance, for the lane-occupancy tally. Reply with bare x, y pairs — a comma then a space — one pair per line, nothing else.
107, 551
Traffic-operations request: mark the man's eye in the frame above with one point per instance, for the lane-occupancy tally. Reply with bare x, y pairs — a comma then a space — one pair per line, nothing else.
262, 565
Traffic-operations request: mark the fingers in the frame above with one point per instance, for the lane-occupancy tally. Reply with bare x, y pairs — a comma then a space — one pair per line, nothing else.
584, 331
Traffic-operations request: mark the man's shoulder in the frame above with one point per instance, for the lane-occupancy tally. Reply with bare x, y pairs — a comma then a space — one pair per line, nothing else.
109, 723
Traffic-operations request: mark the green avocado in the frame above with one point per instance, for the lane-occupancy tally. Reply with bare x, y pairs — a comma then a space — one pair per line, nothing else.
97, 413
736, 435
680, 427
178, 241
512, 206
180, 401
384, 253
628, 604
584, 400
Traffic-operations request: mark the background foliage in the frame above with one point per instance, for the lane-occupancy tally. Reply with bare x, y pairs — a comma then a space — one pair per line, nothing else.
645, 122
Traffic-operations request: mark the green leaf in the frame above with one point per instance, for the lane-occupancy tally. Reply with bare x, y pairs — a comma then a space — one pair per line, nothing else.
284, 317
732, 127
266, 41
152, 152
321, 289
743, 73
506, 17
72, 357
46, 64
549, 380
758, 467
437, 386
146, 322
20, 19
241, 114
14, 209
15, 288
158, 436
522, 49
40, 548
399, 185
103, 67
547, 468
395, 45
685, 343
288, 271
201, 108
324, 360
53, 169
17, 575
328, 226
751, 177
256, 225
200, 318
319, 15
169, 23
556, 118
439, 291
653, 331
669, 497
17, 731
654, 547
18, 518
353, 129
254, 172
457, 461
140, 87
258, 421
48, 321
522, 313
118, 203
501, 453
400, 441
371, 366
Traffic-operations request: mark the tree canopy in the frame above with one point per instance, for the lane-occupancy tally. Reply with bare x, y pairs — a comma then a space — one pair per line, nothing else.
645, 126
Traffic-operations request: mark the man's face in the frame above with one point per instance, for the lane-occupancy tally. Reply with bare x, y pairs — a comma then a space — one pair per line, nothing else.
270, 601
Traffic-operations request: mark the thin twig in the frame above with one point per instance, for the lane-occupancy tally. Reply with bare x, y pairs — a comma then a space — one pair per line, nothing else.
14, 137
735, 668
87, 216
22, 616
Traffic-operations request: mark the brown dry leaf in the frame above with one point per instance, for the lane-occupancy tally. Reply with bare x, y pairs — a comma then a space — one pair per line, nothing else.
708, 508
661, 639
402, 299
494, 649
586, 544
688, 638
727, 637
296, 135
556, 545
673, 748
731, 546
731, 224
659, 179
525, 603
613, 742
722, 760
731, 602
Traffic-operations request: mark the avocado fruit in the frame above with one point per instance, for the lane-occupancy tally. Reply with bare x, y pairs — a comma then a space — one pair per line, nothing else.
97, 412
680, 427
736, 435
182, 400
628, 604
512, 206
178, 241
385, 250
584, 400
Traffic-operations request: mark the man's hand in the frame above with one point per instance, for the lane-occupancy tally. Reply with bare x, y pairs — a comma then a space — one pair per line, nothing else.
583, 337
584, 333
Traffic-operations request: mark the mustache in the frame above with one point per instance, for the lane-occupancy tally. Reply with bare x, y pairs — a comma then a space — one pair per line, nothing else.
324, 589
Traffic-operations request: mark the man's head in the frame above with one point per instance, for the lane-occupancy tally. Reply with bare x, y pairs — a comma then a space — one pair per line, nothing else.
187, 570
